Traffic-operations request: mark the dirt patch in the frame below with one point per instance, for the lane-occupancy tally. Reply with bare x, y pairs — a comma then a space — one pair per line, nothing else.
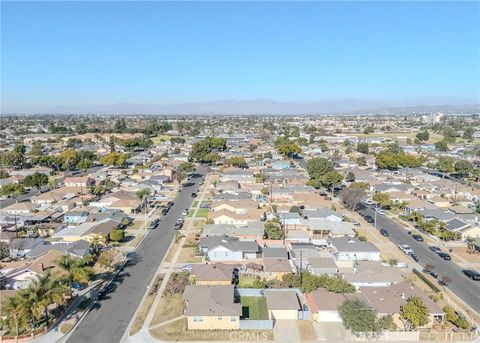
168, 308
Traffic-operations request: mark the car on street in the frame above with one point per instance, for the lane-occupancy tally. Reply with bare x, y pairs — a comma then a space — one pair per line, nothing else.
445, 256
379, 210
384, 233
472, 274
187, 268
436, 250
194, 194
369, 219
184, 213
154, 224
431, 273
414, 256
418, 238
178, 224
405, 248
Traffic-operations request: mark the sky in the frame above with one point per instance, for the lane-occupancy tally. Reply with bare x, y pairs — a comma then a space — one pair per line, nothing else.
98, 53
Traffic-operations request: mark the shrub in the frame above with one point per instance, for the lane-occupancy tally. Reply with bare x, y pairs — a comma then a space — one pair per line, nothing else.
117, 235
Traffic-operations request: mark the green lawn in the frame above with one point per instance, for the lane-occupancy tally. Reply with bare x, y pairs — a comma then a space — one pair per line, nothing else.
254, 308
246, 281
202, 213
194, 204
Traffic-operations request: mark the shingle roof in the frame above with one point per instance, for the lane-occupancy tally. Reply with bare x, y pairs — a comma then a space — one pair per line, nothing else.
282, 300
210, 300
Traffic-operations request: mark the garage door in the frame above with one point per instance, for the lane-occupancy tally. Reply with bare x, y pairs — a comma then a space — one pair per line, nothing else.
329, 316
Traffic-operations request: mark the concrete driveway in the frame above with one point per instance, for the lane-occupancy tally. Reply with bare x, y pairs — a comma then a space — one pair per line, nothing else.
329, 332
294, 331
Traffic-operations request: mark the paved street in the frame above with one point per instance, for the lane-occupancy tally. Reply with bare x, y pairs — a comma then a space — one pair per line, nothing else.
463, 287
108, 320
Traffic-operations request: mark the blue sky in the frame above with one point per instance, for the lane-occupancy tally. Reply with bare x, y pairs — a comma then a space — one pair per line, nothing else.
71, 53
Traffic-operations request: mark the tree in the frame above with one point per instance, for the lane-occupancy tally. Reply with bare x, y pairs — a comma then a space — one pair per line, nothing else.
107, 258
358, 317
35, 180
423, 136
273, 231
318, 167
15, 309
445, 164
350, 177
143, 193
69, 159
351, 197
294, 209
361, 161
114, 159
77, 269
331, 179
441, 145
362, 147
202, 151
414, 313
12, 188
117, 235
186, 167
286, 147
238, 162
468, 133
464, 168
383, 199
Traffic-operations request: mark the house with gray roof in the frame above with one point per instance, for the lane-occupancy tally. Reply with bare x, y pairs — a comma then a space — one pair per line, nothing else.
352, 249
225, 248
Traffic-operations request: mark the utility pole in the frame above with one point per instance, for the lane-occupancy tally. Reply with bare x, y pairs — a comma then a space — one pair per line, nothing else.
301, 267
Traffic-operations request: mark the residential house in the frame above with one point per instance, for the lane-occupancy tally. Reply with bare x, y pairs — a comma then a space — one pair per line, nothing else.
352, 249
84, 182
212, 274
282, 304
225, 248
211, 307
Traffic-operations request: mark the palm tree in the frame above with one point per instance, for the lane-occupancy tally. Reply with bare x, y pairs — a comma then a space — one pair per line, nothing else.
96, 242
76, 269
15, 309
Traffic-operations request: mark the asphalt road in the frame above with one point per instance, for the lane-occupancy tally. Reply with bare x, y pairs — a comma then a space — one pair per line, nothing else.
108, 319
465, 288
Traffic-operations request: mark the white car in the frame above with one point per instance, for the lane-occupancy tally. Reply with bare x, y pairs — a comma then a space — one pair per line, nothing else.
184, 213
187, 268
379, 210
405, 248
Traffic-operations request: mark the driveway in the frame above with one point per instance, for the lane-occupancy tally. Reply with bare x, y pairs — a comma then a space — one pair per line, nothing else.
294, 331
329, 332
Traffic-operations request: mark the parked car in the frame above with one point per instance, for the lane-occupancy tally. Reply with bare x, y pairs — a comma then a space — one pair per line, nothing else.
431, 272
418, 238
436, 250
178, 224
154, 224
184, 213
384, 233
472, 274
78, 286
414, 256
445, 256
187, 268
194, 194
405, 248
369, 219
379, 210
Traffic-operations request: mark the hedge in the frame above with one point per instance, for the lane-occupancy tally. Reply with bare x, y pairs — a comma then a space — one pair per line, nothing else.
426, 280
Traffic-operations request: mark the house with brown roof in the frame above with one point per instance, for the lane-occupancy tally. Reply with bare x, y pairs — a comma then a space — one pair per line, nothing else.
276, 268
282, 304
237, 219
212, 274
211, 307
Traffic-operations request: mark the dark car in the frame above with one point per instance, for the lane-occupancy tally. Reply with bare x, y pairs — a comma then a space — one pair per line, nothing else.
418, 238
194, 195
431, 272
78, 286
384, 233
472, 274
445, 256
414, 257
154, 224
369, 219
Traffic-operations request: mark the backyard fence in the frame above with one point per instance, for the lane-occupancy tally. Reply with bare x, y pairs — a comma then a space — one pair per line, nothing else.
448, 336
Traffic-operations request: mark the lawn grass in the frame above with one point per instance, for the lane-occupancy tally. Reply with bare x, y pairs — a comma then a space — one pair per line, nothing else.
202, 213
194, 204
188, 255
254, 308
142, 314
157, 139
177, 331
246, 281
172, 251
168, 308
66, 328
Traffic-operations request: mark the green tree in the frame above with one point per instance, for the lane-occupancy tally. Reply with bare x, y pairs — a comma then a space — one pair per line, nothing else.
445, 164
238, 162
12, 188
331, 179
362, 147
114, 159
117, 235
286, 147
318, 167
383, 199
464, 168
350, 177
35, 180
186, 167
358, 317
414, 313
143, 193
423, 136
441, 145
273, 231
76, 269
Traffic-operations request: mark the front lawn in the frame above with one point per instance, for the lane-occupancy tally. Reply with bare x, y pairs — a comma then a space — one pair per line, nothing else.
168, 308
202, 213
177, 331
254, 308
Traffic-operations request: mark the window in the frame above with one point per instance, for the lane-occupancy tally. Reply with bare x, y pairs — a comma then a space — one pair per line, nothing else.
220, 318
197, 319
233, 319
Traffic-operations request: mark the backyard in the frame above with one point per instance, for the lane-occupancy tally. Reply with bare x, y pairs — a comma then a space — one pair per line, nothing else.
254, 308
